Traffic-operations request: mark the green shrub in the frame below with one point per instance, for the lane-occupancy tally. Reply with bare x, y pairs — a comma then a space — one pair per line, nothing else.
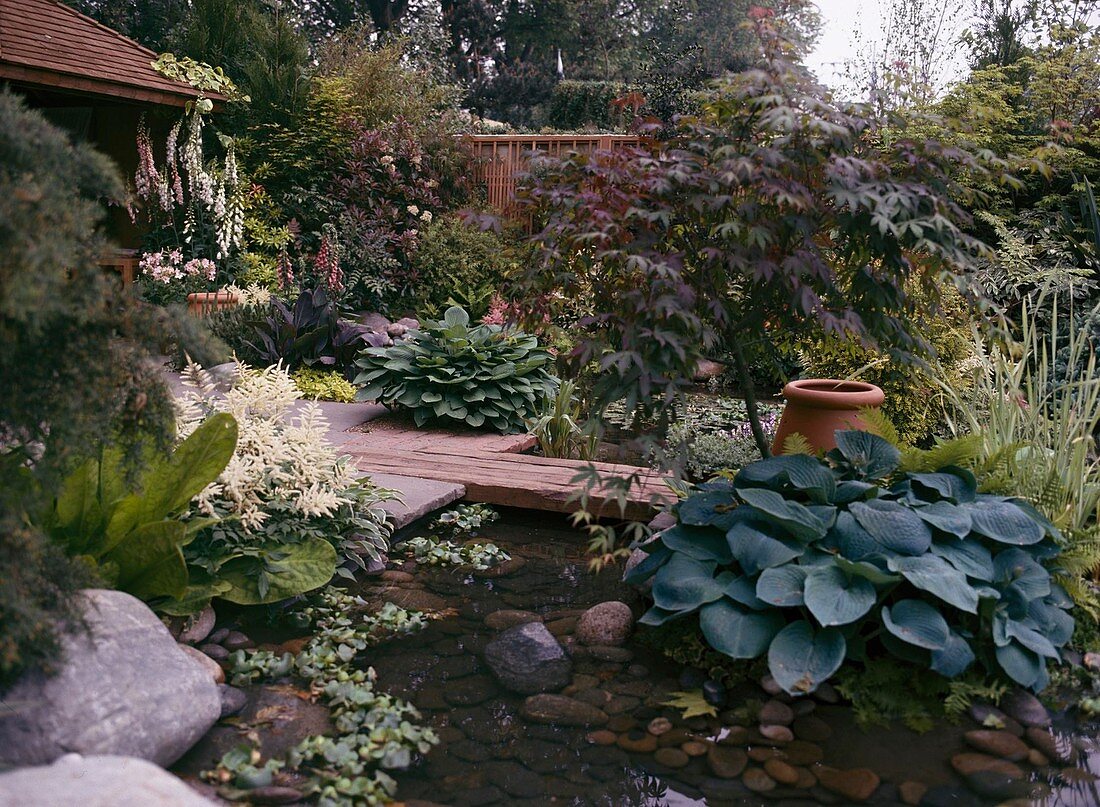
713, 435
814, 561
914, 403
318, 385
477, 376
586, 104
457, 264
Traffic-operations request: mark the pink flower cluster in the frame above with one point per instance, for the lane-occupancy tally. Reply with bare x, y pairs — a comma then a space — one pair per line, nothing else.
326, 264
168, 265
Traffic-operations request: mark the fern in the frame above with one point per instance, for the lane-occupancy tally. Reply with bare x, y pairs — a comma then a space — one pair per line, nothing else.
964, 452
962, 694
797, 444
876, 422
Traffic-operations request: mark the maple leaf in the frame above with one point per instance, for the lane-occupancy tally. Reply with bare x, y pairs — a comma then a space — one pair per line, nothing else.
691, 704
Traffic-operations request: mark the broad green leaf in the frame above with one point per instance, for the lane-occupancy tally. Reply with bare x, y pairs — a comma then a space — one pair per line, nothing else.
947, 517
791, 516
755, 550
294, 569
742, 589
872, 455
968, 556
954, 487
701, 543
936, 576
1005, 522
658, 616
684, 584
801, 659
738, 633
834, 598
704, 509
917, 623
150, 561
806, 474
1022, 666
782, 585
868, 571
893, 526
955, 657
456, 317
657, 558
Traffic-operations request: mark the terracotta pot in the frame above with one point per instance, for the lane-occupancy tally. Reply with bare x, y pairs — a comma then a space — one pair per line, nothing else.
817, 407
201, 303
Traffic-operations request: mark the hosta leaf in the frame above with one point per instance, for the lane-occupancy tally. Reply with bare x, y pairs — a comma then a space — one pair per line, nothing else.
1005, 522
947, 517
954, 658
1022, 666
834, 598
955, 487
701, 543
1055, 623
917, 623
868, 571
743, 590
755, 550
704, 509
850, 539
738, 633
969, 557
791, 516
298, 568
802, 473
658, 616
869, 453
782, 585
684, 583
893, 526
1020, 577
801, 659
649, 565
936, 576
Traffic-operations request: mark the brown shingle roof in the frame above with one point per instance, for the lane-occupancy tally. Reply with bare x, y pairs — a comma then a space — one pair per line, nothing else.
46, 43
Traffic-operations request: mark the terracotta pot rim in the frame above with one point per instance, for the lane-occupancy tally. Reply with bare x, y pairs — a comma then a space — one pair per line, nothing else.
211, 295
831, 393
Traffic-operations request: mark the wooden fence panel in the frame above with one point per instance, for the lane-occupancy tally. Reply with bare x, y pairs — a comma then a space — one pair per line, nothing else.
500, 157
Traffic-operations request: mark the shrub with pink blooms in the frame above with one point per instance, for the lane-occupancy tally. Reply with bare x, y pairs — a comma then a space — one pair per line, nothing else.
165, 277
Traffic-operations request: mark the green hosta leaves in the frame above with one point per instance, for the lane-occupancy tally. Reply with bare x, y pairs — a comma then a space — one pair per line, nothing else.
684, 584
801, 659
706, 508
956, 487
867, 453
450, 371
738, 633
969, 557
782, 586
936, 576
917, 623
1005, 522
893, 526
798, 471
793, 517
954, 658
946, 517
756, 550
835, 598
1022, 666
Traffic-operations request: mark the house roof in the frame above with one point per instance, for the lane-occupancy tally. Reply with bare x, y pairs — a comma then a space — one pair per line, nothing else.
44, 43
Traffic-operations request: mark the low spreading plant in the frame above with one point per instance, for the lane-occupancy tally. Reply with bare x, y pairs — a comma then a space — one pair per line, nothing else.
292, 510
714, 435
375, 732
466, 519
317, 385
450, 371
816, 561
433, 551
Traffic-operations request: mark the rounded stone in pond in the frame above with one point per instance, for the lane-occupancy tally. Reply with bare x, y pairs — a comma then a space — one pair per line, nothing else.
854, 784
678, 736
562, 627
232, 699
770, 685
1045, 741
562, 711
235, 640
608, 623
1037, 758
803, 707
777, 734
218, 636
621, 722
616, 655
215, 651
811, 728
470, 751
659, 725
620, 704
601, 737
776, 713
801, 752
726, 762
508, 567
470, 691
527, 659
997, 743
759, 753
714, 693
806, 779
781, 771
197, 627
212, 668
990, 717
671, 757
509, 618
637, 741
274, 794
757, 780
826, 693
1025, 708
396, 576
912, 792
695, 748
597, 697
736, 735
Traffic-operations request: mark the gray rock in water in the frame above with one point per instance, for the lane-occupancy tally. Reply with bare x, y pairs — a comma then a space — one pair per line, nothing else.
528, 659
375, 321
123, 688
198, 627
97, 781
607, 624
232, 699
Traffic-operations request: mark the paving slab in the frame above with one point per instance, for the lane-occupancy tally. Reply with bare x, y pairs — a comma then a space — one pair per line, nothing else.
421, 496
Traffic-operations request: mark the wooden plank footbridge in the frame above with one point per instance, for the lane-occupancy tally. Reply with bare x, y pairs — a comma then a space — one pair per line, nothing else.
494, 470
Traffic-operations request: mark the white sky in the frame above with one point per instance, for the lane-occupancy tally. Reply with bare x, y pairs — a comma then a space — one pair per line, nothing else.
841, 21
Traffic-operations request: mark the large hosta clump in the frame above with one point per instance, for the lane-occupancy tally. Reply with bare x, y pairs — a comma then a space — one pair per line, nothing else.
450, 371
817, 561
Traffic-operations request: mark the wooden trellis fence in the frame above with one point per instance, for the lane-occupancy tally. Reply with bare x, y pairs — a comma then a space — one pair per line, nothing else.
501, 157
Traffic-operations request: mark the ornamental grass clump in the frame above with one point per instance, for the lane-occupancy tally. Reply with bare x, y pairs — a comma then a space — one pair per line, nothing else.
450, 372
292, 510
813, 562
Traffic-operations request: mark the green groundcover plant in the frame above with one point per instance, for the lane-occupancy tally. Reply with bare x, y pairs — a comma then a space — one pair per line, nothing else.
815, 561
450, 371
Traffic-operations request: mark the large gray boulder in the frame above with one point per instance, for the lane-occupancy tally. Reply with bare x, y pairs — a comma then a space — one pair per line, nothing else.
124, 688
96, 781
528, 659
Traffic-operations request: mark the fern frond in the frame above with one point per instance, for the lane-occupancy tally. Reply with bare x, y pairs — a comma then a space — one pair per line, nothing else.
962, 451
797, 444
876, 422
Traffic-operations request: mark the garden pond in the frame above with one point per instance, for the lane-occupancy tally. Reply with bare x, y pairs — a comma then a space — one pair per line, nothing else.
613, 740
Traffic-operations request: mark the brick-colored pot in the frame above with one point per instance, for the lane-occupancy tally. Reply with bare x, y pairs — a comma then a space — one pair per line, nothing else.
818, 407
201, 303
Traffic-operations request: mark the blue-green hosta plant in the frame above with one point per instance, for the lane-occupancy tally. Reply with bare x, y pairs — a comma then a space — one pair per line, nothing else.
812, 562
453, 372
